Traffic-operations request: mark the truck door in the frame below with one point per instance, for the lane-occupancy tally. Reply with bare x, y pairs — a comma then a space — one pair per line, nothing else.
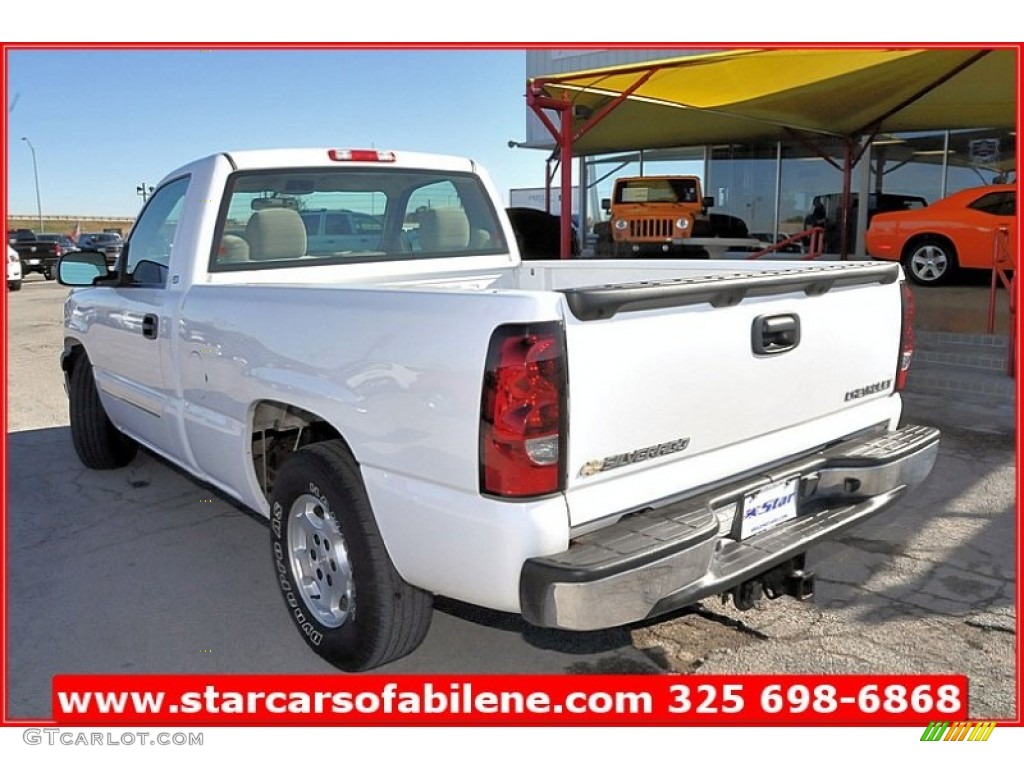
132, 338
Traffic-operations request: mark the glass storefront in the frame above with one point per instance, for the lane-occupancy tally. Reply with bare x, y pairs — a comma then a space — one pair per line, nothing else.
772, 186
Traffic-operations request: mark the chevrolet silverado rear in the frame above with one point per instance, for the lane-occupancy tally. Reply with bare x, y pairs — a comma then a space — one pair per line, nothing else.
420, 412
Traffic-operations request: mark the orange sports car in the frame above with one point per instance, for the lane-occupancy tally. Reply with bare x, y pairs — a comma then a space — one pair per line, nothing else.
954, 232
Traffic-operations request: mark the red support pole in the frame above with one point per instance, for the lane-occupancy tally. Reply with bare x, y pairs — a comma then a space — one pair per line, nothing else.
565, 158
1001, 260
563, 135
990, 327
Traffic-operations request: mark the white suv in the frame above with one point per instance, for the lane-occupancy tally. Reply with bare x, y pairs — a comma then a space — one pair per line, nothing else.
341, 231
13, 270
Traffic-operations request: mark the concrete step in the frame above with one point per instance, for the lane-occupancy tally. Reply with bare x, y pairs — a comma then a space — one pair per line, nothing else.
963, 368
969, 383
961, 350
944, 340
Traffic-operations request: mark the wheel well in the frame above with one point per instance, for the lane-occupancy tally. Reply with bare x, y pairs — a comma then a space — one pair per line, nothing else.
277, 430
917, 240
73, 352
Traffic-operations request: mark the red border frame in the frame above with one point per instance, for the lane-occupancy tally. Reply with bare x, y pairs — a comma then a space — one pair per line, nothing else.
6, 47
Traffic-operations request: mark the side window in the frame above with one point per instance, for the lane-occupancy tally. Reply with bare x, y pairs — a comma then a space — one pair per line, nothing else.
312, 223
149, 248
338, 224
996, 203
367, 225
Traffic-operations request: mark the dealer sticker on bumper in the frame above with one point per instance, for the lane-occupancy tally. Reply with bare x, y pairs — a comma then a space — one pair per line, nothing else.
768, 506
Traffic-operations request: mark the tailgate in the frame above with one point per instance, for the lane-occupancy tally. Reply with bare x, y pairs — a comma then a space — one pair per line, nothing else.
700, 379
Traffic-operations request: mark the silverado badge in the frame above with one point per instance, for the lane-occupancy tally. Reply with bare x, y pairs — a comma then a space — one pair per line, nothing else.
634, 457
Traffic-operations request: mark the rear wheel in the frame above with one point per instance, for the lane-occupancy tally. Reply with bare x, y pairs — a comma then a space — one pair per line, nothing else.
342, 591
930, 261
14, 285
49, 274
98, 443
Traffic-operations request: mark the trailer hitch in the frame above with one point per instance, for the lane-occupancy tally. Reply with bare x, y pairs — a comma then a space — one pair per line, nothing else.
787, 579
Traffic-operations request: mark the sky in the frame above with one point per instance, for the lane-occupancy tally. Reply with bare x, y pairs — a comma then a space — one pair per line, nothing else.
105, 121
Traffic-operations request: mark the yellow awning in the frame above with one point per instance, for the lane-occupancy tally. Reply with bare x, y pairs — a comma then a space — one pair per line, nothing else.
751, 95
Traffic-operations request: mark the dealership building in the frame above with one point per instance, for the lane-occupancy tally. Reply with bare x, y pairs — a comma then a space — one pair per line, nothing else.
769, 131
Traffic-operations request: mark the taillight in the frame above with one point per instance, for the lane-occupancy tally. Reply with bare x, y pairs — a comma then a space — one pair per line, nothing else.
361, 155
523, 412
57, 250
906, 338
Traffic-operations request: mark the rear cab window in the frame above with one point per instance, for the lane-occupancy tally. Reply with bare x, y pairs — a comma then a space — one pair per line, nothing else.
300, 217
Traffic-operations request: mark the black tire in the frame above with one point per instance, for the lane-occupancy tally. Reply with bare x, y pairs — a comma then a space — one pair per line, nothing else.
49, 273
930, 261
98, 443
14, 285
724, 225
603, 240
355, 610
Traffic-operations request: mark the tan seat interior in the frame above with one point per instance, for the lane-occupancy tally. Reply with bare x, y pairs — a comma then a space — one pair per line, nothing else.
443, 229
276, 233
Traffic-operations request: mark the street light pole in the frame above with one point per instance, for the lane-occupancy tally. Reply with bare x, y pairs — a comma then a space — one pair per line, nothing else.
35, 172
144, 191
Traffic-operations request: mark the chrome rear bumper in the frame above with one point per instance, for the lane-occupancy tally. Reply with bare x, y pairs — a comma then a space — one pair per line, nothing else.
667, 557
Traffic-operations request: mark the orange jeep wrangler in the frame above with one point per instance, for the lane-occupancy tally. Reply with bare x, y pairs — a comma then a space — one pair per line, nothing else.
660, 216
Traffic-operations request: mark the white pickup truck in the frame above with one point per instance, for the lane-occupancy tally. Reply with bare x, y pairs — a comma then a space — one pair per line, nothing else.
585, 443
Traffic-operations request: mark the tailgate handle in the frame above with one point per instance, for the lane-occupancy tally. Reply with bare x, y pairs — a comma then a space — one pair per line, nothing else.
774, 334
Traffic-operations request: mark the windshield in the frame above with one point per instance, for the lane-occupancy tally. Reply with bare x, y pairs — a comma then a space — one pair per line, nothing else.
316, 216
655, 190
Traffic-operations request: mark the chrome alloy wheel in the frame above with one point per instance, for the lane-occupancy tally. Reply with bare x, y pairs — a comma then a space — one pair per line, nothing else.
929, 263
320, 562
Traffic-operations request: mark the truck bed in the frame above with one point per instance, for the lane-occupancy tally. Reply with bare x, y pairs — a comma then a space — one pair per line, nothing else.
652, 362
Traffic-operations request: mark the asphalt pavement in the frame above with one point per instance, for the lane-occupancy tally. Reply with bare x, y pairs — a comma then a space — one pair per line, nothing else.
143, 570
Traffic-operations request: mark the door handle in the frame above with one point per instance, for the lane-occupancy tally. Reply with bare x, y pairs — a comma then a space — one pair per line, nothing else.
774, 334
149, 326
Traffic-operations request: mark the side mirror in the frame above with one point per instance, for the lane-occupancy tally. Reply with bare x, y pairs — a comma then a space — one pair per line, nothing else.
81, 268
606, 204
708, 202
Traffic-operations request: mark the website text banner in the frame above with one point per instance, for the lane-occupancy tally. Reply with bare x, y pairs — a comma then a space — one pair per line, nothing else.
555, 700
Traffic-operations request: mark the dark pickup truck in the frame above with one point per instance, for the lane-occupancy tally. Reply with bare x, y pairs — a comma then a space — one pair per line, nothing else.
37, 253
